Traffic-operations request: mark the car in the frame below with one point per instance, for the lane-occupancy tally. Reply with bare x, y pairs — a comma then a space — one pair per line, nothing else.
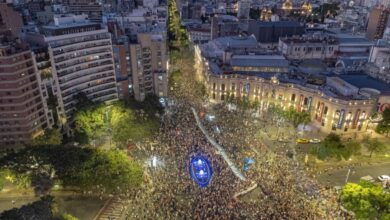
302, 141
384, 178
367, 178
315, 141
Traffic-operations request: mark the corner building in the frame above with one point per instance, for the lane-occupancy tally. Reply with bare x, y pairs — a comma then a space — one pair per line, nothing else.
23, 114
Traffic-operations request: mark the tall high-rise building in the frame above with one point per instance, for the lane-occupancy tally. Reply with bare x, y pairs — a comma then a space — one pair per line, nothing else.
10, 20
121, 52
81, 60
149, 65
23, 114
377, 22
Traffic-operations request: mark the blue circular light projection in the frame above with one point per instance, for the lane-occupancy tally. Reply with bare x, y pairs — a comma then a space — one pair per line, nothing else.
200, 171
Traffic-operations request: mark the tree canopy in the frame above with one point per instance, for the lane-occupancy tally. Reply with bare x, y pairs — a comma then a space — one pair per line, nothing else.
292, 115
125, 123
49, 137
374, 146
103, 171
383, 126
366, 200
333, 147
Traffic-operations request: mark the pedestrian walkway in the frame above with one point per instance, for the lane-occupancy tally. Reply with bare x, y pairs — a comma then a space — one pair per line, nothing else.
219, 148
114, 209
246, 191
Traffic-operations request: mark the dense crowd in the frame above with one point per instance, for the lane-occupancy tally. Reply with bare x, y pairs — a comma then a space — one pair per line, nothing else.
172, 194
283, 190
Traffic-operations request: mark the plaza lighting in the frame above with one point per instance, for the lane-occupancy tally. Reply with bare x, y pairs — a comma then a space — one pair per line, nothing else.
154, 161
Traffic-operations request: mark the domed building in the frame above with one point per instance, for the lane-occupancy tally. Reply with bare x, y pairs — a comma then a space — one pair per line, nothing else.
306, 8
287, 5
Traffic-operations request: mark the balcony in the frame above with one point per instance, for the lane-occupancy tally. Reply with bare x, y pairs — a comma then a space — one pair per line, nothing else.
85, 39
79, 68
91, 79
84, 74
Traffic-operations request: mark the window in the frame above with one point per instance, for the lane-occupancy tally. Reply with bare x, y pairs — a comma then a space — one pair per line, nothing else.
223, 87
222, 97
233, 86
214, 85
293, 97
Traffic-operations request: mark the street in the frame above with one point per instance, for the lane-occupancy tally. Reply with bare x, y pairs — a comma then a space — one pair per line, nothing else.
337, 177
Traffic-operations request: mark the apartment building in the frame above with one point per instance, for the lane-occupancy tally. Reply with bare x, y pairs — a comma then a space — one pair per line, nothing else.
377, 23
148, 57
23, 113
121, 50
10, 20
82, 61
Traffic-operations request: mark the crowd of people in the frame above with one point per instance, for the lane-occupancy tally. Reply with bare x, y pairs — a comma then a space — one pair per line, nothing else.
283, 192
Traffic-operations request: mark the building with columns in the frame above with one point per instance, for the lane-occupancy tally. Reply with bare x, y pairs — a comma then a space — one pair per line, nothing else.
330, 111
334, 104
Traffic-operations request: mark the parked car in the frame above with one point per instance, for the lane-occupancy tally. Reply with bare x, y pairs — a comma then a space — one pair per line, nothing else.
368, 178
384, 178
302, 141
315, 141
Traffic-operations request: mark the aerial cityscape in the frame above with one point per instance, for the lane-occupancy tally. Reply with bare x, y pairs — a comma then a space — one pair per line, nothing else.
194, 109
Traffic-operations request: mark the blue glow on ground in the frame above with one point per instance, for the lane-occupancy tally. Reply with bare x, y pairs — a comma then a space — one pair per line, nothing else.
200, 170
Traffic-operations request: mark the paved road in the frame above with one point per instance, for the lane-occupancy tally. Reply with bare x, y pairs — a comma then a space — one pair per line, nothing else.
76, 206
337, 177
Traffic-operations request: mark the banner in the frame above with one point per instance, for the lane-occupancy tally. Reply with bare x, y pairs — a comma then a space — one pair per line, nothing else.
341, 119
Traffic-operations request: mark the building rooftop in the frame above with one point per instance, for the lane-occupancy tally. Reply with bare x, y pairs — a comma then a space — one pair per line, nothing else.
278, 23
259, 61
309, 39
364, 81
352, 39
226, 18
237, 42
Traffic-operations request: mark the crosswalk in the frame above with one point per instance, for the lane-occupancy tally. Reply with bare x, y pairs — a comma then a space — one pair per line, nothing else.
114, 209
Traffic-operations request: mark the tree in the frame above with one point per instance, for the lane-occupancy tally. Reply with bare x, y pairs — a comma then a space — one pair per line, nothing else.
49, 137
375, 146
107, 171
91, 121
68, 217
333, 147
305, 118
366, 200
134, 124
39, 210
383, 126
82, 101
